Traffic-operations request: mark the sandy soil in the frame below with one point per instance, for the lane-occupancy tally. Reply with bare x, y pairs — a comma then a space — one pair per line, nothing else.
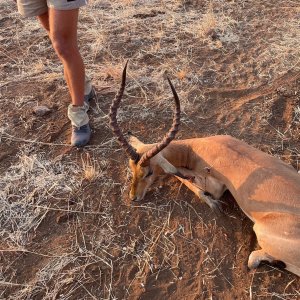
67, 229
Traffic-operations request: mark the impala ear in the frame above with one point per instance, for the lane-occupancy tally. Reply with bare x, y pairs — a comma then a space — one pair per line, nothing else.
168, 167
165, 165
134, 141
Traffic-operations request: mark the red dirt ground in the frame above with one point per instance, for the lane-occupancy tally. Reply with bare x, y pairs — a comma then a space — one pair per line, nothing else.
91, 243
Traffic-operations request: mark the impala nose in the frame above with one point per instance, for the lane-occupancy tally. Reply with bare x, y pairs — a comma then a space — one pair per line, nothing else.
135, 199
132, 197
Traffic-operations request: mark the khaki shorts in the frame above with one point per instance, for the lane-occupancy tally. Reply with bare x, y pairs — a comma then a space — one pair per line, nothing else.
32, 8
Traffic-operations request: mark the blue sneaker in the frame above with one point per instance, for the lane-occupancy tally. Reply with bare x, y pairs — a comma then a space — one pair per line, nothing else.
89, 96
80, 135
89, 91
81, 131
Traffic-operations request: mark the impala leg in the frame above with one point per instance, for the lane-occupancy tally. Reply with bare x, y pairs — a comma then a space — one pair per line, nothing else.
161, 181
256, 257
214, 204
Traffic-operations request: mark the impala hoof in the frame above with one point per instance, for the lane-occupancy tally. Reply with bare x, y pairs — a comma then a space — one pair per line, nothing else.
256, 257
217, 206
214, 204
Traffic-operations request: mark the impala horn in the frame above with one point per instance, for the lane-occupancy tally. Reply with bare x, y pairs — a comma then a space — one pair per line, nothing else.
169, 136
114, 123
142, 160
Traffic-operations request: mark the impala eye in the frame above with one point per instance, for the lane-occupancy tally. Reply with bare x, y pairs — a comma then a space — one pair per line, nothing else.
149, 174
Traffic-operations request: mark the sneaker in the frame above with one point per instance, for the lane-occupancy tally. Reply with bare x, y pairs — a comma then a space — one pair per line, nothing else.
81, 131
89, 91
80, 135
89, 96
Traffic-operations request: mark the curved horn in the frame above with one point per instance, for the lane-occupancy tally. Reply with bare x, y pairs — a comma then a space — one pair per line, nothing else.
170, 135
113, 120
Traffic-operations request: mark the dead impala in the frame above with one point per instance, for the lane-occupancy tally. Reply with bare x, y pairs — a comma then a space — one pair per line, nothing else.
265, 188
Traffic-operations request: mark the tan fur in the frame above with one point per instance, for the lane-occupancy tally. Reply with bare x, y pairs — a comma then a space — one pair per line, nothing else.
265, 188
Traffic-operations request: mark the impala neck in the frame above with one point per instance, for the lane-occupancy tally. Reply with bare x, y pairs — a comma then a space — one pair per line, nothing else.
178, 154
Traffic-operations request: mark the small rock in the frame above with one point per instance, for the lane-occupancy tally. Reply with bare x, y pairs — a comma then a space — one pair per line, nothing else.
41, 110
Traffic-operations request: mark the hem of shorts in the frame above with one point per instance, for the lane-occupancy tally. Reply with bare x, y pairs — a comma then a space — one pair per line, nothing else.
71, 7
35, 13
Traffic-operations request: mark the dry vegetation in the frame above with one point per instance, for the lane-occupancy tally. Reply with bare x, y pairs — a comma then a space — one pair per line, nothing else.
66, 229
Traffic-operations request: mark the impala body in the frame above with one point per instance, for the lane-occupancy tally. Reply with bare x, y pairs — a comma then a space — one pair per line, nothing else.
265, 188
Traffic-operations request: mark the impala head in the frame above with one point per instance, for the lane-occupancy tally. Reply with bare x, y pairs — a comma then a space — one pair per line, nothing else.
146, 161
142, 179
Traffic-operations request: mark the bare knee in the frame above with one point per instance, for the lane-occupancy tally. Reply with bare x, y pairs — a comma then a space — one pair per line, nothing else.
64, 46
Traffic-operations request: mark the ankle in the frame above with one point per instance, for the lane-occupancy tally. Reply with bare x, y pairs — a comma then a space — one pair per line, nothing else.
78, 115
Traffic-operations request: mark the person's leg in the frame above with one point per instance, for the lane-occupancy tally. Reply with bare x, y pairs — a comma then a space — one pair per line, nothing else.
44, 20
63, 35
88, 89
59, 19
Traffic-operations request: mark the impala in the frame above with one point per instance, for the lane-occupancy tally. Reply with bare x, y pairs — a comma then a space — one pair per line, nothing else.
265, 188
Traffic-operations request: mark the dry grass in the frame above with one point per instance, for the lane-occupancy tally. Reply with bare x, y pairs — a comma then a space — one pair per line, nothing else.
62, 212
25, 186
90, 171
